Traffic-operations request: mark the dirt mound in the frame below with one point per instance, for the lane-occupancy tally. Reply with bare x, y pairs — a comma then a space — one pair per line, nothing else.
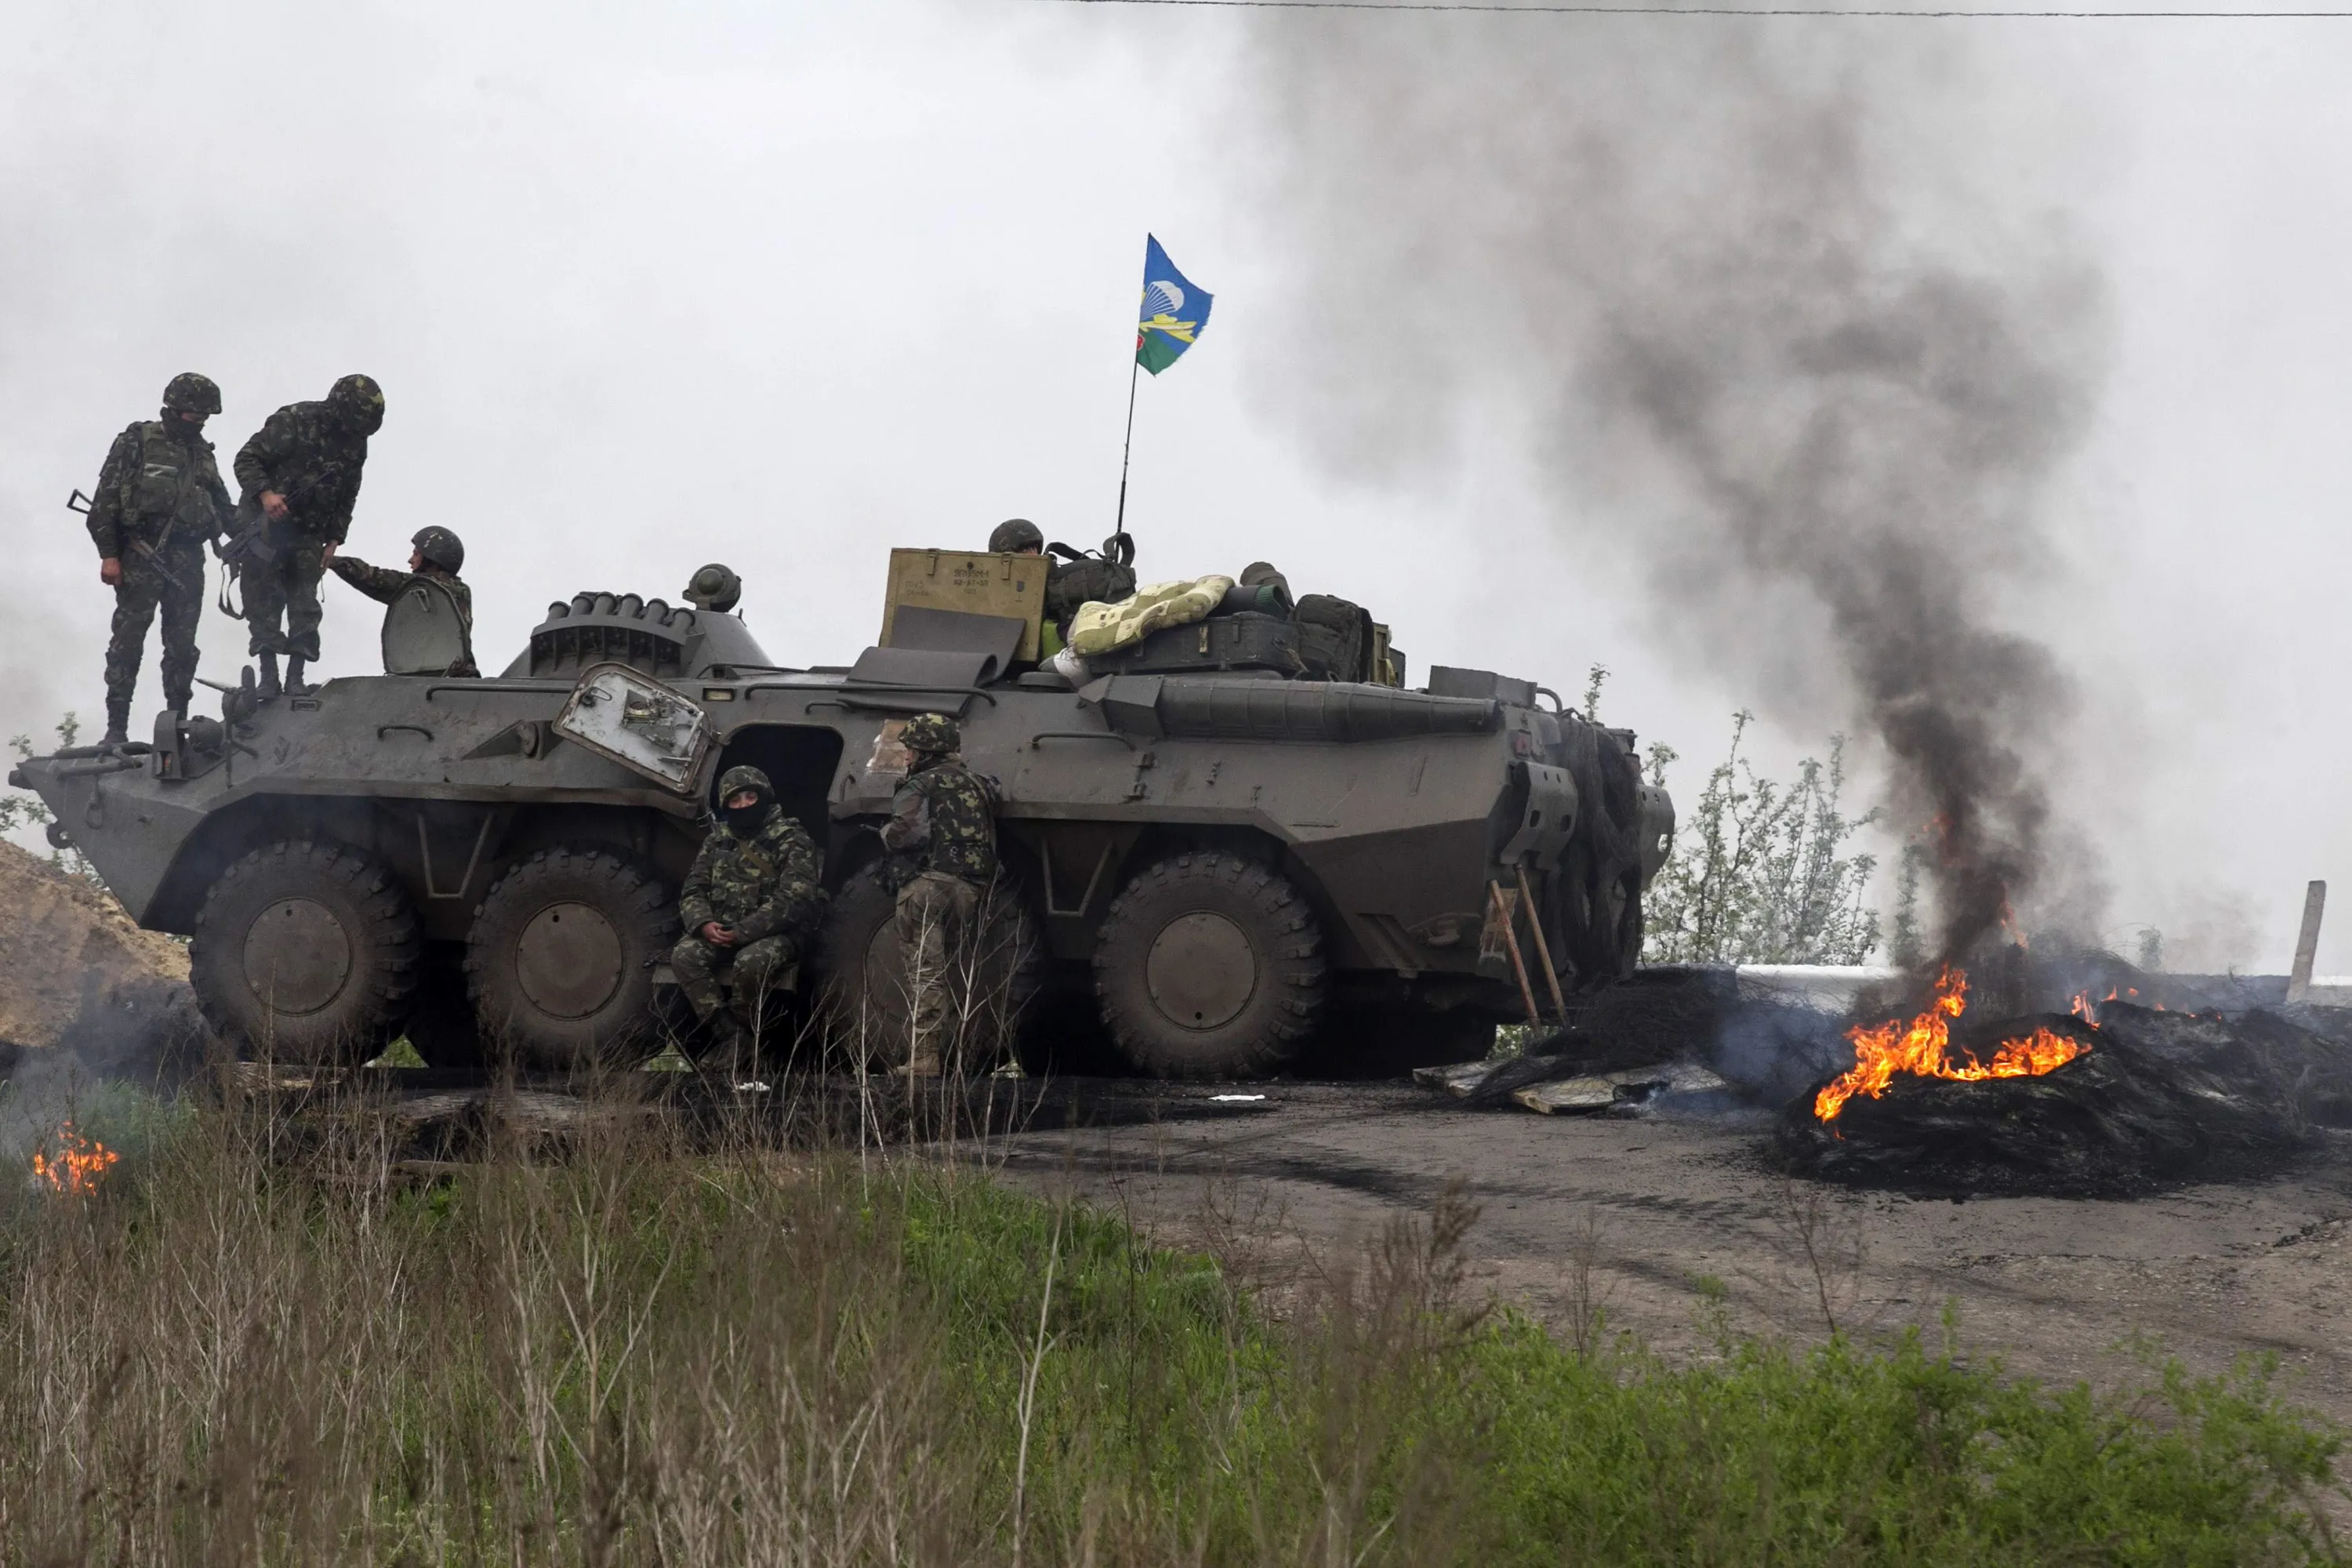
68, 953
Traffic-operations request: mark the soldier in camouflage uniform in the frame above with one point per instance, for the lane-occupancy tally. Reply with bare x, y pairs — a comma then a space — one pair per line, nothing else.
942, 839
754, 894
298, 479
435, 553
160, 501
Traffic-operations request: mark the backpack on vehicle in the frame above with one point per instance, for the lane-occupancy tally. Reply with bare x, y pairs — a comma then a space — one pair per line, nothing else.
1335, 638
1078, 577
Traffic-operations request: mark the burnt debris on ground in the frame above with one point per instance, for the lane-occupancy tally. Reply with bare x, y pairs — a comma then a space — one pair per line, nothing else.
1685, 1039
2155, 1097
2176, 1079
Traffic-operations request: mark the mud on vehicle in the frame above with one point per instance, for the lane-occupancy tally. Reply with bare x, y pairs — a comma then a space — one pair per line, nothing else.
1220, 858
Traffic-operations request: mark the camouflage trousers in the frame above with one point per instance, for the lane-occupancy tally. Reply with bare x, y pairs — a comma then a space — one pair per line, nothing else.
934, 918
706, 973
142, 591
285, 587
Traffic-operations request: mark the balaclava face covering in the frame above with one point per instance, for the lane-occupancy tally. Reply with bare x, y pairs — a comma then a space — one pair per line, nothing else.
743, 821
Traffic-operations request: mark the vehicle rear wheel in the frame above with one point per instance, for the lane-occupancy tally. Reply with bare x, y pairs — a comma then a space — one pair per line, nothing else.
560, 962
865, 983
306, 952
1209, 965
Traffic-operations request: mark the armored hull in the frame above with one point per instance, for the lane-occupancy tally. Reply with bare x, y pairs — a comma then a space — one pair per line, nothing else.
1225, 863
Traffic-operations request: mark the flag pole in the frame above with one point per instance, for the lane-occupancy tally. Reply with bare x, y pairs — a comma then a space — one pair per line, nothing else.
1127, 449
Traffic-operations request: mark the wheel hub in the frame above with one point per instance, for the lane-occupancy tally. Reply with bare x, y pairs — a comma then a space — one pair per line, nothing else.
568, 961
1202, 971
298, 956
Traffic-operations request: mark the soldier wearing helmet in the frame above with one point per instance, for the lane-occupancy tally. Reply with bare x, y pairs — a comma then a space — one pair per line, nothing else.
942, 842
437, 555
159, 499
1017, 536
749, 905
298, 477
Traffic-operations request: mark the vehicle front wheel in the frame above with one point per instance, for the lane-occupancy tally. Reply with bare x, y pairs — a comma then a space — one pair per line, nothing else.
1209, 965
306, 952
561, 958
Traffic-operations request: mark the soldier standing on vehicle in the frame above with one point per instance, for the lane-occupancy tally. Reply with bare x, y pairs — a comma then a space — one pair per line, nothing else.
160, 501
298, 477
941, 838
754, 894
435, 556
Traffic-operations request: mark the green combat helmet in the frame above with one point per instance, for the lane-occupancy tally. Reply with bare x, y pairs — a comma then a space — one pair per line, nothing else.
189, 392
931, 735
715, 588
441, 548
1013, 535
359, 401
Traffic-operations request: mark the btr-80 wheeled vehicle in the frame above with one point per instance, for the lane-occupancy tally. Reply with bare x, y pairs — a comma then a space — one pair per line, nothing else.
1222, 857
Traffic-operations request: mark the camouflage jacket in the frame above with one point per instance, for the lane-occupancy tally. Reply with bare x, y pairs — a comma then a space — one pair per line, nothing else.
154, 479
306, 453
756, 887
943, 818
385, 584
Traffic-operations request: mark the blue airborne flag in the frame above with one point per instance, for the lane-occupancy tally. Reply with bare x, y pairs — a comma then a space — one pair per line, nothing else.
1173, 312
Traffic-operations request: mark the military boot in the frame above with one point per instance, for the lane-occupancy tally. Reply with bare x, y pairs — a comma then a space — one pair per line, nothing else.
268, 686
294, 684
118, 725
728, 1048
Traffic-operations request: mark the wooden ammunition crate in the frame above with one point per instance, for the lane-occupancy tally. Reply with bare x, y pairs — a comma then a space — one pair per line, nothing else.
971, 581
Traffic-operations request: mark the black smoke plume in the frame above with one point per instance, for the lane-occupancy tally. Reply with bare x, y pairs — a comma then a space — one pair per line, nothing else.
1785, 348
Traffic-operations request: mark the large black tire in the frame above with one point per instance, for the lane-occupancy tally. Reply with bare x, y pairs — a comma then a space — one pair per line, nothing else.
865, 984
306, 952
560, 962
1209, 965
1596, 916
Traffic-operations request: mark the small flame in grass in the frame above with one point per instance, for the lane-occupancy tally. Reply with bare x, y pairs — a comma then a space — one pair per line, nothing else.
78, 1163
1921, 1049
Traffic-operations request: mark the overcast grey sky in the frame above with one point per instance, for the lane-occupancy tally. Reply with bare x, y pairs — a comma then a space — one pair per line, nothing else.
786, 285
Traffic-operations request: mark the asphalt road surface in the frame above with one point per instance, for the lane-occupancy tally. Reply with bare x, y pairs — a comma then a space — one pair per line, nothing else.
1652, 1218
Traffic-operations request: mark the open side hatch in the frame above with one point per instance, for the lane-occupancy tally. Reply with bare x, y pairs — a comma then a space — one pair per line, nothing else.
636, 721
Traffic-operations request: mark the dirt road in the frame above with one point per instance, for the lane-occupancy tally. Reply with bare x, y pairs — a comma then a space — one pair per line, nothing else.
1643, 1216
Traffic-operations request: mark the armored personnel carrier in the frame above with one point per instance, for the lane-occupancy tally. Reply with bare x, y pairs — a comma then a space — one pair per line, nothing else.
1219, 855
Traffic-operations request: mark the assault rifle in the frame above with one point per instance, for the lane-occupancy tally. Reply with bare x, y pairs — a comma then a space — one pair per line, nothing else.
153, 553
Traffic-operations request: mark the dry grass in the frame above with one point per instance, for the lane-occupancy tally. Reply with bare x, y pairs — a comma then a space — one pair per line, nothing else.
255, 1345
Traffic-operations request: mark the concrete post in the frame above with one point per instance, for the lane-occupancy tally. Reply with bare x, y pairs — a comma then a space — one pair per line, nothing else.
2306, 946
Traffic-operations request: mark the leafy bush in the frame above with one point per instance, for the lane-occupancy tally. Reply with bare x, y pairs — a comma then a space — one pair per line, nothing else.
1761, 871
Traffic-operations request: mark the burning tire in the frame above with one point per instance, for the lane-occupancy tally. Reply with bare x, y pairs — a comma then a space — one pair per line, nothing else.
306, 952
865, 983
1209, 965
560, 962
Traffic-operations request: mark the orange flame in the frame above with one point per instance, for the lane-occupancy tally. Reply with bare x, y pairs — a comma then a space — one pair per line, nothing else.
1920, 1046
78, 1163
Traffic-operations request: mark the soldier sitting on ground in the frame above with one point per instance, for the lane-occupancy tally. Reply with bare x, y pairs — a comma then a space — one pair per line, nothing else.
435, 557
753, 898
941, 838
159, 499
